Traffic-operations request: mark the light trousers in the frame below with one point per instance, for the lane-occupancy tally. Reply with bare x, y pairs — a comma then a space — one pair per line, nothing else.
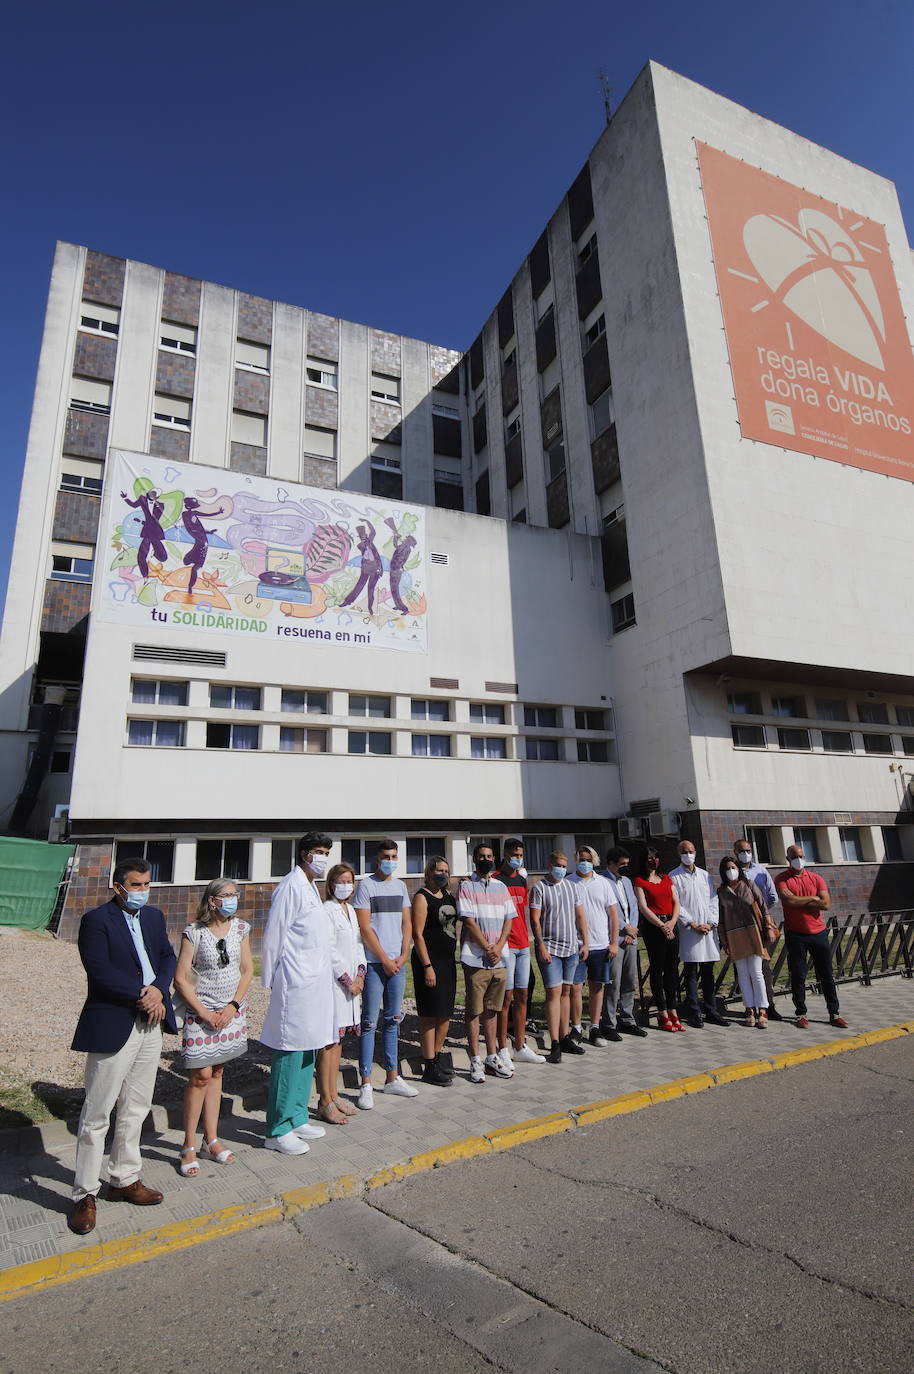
751, 981
126, 1078
291, 1076
619, 994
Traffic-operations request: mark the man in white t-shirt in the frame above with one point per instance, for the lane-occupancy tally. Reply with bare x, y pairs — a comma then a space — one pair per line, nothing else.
596, 896
487, 912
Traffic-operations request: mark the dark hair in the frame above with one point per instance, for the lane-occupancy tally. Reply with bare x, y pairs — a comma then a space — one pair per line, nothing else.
483, 844
725, 863
125, 866
513, 843
312, 839
615, 854
430, 868
649, 853
385, 844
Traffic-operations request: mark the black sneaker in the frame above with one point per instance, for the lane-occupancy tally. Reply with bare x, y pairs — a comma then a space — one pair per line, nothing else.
596, 1037
576, 1034
695, 1022
555, 1055
715, 1018
631, 1028
571, 1046
613, 1035
433, 1073
774, 1015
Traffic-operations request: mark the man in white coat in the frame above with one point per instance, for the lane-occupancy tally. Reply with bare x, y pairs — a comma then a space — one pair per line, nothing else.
296, 967
699, 945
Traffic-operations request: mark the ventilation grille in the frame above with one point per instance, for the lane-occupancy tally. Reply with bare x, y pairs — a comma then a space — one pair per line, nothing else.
644, 808
842, 818
440, 558
160, 653
451, 683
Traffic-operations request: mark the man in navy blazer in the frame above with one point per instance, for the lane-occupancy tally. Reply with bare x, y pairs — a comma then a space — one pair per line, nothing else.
130, 964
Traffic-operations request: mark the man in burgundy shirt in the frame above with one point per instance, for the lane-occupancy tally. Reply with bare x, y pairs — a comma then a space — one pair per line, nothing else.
804, 896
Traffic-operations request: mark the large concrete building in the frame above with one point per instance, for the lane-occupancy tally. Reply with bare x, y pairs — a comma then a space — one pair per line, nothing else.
660, 512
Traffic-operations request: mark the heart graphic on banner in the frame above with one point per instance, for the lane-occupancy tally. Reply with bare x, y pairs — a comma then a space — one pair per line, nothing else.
815, 268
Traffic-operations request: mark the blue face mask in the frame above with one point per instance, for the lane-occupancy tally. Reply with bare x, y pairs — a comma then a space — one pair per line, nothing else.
228, 905
558, 873
516, 863
584, 867
136, 900
388, 866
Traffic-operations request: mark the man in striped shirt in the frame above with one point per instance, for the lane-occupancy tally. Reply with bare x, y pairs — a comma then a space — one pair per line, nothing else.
560, 935
487, 912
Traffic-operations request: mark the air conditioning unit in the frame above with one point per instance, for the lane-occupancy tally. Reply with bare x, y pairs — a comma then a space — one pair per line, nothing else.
663, 823
629, 828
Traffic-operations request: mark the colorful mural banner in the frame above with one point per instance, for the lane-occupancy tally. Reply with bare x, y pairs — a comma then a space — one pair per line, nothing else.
187, 547
819, 348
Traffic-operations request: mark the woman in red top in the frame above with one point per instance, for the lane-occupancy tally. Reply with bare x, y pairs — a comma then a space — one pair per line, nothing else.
659, 916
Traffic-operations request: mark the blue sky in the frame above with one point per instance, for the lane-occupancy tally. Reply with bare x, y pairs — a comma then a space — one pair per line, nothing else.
390, 164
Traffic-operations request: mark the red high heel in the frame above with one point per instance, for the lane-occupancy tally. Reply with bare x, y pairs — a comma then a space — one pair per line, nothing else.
663, 1022
677, 1024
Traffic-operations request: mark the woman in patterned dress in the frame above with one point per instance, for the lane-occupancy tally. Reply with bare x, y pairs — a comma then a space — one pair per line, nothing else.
213, 975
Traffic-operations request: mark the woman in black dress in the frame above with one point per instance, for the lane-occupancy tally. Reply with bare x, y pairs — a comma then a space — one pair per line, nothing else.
434, 968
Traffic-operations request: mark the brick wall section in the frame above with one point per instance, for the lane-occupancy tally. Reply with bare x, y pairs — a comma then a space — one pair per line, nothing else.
104, 278
252, 392
66, 606
318, 472
322, 407
255, 319
385, 422
323, 337
442, 361
181, 299
248, 458
169, 443
95, 357
385, 352
86, 435
76, 516
175, 374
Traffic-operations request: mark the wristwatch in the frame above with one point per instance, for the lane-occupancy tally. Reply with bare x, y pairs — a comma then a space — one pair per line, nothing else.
236, 1005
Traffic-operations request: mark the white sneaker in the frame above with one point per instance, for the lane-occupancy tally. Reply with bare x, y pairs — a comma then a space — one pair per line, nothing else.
477, 1072
288, 1144
505, 1057
366, 1097
498, 1067
528, 1056
399, 1088
308, 1132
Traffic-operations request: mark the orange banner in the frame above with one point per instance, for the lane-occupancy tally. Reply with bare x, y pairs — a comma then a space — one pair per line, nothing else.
819, 348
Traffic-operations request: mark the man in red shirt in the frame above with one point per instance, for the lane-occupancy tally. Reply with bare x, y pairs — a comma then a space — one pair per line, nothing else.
804, 896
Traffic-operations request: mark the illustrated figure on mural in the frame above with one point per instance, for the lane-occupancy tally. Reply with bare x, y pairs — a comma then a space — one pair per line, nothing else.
371, 566
152, 535
403, 548
196, 557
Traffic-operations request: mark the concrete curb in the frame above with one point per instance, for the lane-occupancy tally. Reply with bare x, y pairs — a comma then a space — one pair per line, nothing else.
179, 1235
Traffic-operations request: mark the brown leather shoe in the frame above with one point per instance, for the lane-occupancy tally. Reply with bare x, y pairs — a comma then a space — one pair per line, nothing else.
82, 1219
137, 1193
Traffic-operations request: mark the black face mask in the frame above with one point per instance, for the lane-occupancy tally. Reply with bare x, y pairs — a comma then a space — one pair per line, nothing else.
441, 880
484, 867
623, 868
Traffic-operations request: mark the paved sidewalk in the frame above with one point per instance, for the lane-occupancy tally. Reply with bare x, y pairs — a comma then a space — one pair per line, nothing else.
34, 1188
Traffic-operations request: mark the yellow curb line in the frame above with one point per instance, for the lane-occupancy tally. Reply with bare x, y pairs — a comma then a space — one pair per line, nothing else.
179, 1235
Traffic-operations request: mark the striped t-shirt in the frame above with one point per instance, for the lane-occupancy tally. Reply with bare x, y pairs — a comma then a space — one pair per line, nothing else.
487, 902
385, 898
556, 903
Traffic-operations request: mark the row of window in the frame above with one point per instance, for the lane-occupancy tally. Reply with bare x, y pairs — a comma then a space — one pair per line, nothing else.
853, 841
824, 708
833, 741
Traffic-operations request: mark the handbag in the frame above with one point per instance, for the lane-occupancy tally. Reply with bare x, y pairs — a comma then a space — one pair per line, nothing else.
179, 1006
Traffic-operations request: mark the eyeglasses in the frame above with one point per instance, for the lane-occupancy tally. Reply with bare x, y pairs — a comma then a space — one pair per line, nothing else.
223, 953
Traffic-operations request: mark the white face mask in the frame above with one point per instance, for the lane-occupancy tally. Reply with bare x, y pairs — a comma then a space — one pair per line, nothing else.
744, 857
798, 864
318, 864
342, 891
732, 874
687, 857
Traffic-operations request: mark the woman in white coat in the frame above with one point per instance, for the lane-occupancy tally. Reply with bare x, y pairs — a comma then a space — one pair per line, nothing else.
295, 966
347, 959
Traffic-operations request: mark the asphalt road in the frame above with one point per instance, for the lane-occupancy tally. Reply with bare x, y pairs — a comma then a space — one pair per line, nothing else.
763, 1226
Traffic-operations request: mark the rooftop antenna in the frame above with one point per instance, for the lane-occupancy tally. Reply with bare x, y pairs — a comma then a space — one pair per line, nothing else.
606, 91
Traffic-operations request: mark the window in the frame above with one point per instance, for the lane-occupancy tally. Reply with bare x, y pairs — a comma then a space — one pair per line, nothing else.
158, 734
369, 742
545, 749
542, 717
86, 393
602, 413
282, 857
623, 612
360, 705
593, 751
432, 746
171, 411
358, 853
452, 412
223, 858
159, 854
302, 699
544, 303
806, 836
488, 748
744, 703
228, 698
148, 692
891, 838
907, 744
760, 839
793, 739
60, 761
421, 849
295, 739
386, 460
253, 357
596, 330
588, 249
487, 712
81, 474
851, 845
178, 338
219, 736
748, 736
512, 427
877, 744
99, 319
873, 712
248, 428
829, 708
788, 706
555, 460
320, 443
384, 388
319, 372
509, 356
71, 562
432, 709
537, 849
589, 720
905, 715
837, 741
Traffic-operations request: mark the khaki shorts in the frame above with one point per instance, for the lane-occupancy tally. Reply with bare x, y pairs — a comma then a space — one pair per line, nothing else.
485, 989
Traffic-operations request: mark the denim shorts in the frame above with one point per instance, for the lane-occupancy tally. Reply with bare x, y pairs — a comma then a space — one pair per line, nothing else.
562, 969
598, 966
518, 964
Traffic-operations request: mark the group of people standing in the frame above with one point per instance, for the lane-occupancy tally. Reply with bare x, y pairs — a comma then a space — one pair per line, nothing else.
337, 964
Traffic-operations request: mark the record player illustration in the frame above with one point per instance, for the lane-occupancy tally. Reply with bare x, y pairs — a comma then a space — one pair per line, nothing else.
284, 577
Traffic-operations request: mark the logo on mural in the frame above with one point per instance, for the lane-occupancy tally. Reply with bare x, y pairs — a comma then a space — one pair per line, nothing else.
202, 549
818, 343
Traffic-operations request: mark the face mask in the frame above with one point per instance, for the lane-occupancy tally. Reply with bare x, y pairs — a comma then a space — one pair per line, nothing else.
388, 866
441, 880
584, 867
228, 906
687, 859
484, 867
744, 857
732, 874
342, 890
558, 873
623, 869
798, 864
318, 864
136, 900
516, 863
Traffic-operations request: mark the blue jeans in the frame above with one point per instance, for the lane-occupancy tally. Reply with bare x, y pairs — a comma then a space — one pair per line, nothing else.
381, 989
517, 962
560, 969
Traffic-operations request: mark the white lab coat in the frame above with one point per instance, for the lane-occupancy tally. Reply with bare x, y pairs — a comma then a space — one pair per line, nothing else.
697, 902
295, 966
347, 955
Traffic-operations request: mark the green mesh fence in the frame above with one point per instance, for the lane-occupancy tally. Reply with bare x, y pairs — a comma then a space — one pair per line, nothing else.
30, 873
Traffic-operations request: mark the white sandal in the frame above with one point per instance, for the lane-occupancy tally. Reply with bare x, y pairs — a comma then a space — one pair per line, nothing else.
189, 1168
219, 1157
